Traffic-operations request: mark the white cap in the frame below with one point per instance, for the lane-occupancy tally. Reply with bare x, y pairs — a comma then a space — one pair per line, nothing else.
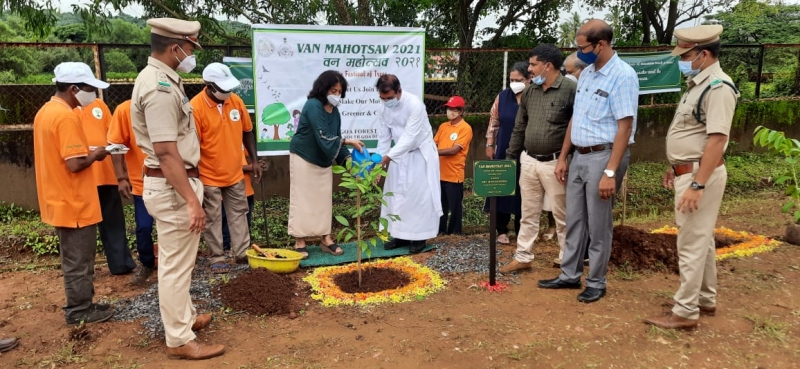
221, 76
75, 72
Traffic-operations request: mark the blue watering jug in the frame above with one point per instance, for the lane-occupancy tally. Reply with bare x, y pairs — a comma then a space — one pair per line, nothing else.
363, 157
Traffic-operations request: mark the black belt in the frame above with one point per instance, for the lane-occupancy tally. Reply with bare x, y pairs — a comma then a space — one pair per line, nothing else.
156, 172
548, 157
588, 149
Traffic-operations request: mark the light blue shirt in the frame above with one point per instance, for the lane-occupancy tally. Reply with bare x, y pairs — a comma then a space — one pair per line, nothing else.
603, 97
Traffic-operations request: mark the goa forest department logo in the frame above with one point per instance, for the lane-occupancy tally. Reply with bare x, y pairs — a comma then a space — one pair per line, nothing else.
285, 51
235, 116
97, 113
265, 47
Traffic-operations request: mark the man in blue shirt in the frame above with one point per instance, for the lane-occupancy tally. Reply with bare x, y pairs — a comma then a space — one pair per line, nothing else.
601, 129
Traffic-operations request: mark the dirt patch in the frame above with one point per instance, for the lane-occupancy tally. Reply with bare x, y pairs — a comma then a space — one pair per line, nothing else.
260, 292
641, 250
372, 280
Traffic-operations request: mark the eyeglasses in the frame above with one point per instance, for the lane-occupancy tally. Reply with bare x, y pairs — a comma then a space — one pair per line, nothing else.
580, 48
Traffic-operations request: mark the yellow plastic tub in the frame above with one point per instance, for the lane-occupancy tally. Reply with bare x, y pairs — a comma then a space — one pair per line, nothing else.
288, 265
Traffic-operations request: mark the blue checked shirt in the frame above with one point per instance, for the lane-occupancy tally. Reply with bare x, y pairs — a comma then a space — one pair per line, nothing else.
604, 97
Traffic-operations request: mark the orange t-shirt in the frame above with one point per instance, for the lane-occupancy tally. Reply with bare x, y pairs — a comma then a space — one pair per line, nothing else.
95, 119
451, 168
121, 132
248, 179
219, 129
66, 199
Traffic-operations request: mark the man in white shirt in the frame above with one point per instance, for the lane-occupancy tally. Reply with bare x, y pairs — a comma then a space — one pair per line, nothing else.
412, 166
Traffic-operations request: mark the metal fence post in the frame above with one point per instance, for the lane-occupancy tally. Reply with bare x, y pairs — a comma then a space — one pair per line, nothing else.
98, 66
760, 70
505, 68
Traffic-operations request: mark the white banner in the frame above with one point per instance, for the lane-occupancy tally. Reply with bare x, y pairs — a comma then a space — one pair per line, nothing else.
288, 58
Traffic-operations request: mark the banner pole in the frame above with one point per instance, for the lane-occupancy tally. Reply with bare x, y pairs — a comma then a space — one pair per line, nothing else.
492, 240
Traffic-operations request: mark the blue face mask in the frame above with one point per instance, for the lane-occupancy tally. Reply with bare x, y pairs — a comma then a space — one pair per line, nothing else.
539, 80
685, 67
391, 103
588, 58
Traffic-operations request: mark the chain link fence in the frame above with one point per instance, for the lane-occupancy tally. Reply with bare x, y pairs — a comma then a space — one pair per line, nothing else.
760, 71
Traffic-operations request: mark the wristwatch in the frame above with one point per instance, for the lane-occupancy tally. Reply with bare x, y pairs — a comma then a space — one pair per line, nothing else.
609, 173
489, 145
696, 186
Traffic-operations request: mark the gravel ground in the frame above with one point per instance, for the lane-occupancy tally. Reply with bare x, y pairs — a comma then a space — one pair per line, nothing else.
145, 306
468, 255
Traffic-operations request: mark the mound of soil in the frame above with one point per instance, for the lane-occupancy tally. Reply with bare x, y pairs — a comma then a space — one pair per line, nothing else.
372, 280
260, 292
640, 250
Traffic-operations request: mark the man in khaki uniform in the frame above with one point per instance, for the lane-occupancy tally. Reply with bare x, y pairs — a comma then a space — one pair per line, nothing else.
696, 141
162, 122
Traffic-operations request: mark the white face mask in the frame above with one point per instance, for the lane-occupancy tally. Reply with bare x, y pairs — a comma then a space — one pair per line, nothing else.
334, 100
452, 114
391, 103
517, 87
222, 96
187, 64
85, 98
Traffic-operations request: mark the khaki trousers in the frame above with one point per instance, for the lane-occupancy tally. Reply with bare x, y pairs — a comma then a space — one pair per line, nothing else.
696, 249
537, 179
177, 253
236, 209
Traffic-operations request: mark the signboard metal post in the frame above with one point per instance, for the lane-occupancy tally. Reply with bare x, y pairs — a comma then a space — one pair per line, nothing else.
494, 178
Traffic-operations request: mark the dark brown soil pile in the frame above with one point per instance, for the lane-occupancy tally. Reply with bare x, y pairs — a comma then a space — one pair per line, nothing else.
260, 292
372, 280
640, 250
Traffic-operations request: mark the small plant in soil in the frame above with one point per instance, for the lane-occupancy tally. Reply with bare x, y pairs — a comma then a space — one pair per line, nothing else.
777, 142
361, 179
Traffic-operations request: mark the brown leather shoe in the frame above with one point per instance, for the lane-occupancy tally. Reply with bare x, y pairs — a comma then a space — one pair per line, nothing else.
195, 351
514, 265
672, 321
202, 321
704, 310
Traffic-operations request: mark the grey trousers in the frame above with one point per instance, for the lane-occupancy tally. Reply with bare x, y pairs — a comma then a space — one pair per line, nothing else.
589, 217
77, 251
236, 209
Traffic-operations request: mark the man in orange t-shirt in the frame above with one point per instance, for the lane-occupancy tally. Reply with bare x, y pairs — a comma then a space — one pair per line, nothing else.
66, 189
129, 174
95, 120
453, 139
223, 126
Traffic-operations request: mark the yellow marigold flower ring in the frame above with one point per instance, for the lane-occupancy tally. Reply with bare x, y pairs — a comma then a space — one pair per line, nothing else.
424, 281
749, 246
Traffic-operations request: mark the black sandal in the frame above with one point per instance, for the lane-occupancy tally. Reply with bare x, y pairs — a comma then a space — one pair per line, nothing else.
333, 249
303, 251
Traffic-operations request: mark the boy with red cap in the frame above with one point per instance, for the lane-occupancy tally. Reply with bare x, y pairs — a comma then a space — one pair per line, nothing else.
452, 140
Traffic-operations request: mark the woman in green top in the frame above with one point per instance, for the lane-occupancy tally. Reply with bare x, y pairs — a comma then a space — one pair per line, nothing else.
316, 145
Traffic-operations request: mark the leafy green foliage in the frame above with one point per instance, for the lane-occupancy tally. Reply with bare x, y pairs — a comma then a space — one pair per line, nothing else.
361, 181
777, 142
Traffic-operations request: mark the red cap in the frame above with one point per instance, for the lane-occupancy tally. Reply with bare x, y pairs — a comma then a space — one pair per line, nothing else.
455, 102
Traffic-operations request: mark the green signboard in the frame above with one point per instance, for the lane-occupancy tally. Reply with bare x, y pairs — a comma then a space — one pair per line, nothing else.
658, 72
242, 69
495, 178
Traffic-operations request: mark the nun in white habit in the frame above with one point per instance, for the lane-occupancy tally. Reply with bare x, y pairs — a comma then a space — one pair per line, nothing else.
412, 165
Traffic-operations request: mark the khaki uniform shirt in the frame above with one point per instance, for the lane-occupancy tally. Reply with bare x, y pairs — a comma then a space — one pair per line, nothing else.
161, 112
687, 137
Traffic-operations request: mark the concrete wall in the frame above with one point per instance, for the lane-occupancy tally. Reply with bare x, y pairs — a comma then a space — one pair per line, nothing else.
18, 181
